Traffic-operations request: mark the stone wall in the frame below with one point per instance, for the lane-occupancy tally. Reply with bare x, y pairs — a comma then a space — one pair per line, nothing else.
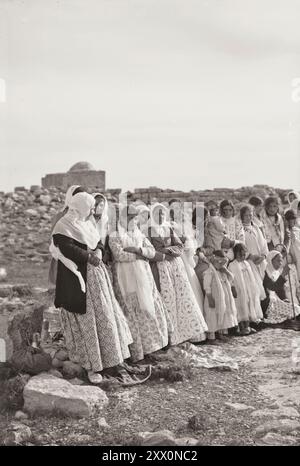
92, 179
152, 194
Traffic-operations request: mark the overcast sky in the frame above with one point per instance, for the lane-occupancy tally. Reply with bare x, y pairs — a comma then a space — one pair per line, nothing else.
186, 94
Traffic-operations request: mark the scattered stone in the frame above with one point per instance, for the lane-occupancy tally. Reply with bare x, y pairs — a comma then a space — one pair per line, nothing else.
31, 213
12, 392
159, 438
47, 394
172, 390
24, 325
21, 416
72, 370
186, 441
102, 423
199, 423
76, 381
3, 274
17, 434
281, 425
57, 364
239, 406
277, 440
55, 373
5, 291
276, 413
62, 354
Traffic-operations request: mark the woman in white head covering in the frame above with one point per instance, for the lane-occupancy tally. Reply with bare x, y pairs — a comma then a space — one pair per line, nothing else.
276, 308
72, 191
292, 197
172, 280
96, 332
295, 206
135, 287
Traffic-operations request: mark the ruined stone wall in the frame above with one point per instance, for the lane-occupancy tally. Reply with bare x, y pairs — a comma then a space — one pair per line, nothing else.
93, 179
152, 194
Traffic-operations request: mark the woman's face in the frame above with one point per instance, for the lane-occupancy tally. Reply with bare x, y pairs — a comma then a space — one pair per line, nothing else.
277, 262
247, 217
159, 216
292, 197
99, 205
273, 208
227, 211
213, 210
92, 212
219, 262
143, 217
291, 223
132, 222
258, 209
241, 255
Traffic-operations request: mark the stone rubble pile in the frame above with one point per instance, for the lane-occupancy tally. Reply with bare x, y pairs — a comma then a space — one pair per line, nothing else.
26, 215
25, 223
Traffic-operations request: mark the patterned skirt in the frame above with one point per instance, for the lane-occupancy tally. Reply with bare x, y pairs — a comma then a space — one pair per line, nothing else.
100, 338
278, 311
181, 303
150, 333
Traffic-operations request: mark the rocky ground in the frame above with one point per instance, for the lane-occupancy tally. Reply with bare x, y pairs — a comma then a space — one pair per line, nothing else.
245, 392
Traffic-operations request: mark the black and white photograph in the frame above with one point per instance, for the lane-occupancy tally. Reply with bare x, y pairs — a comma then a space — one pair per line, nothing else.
149, 226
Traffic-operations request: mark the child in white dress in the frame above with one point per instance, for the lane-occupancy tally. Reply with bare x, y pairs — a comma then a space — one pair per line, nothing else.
247, 289
219, 306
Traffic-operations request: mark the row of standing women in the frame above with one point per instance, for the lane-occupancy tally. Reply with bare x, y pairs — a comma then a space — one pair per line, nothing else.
130, 291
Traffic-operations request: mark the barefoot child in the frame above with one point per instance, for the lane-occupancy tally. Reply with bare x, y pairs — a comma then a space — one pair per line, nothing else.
247, 289
219, 306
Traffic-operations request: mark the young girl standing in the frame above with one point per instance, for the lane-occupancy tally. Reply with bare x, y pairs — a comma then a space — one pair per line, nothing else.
248, 292
219, 305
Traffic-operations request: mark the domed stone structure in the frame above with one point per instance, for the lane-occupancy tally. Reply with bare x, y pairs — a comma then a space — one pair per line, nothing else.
81, 166
82, 173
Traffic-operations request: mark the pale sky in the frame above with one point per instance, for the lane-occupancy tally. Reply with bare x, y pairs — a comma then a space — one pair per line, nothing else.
182, 94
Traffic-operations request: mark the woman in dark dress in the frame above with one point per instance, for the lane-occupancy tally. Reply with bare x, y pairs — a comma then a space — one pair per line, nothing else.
96, 332
276, 308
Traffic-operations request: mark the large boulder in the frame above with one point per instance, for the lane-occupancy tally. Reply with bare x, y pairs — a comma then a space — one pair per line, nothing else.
47, 394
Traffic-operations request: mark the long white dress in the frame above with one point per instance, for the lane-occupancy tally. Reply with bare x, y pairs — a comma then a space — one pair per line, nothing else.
224, 314
248, 292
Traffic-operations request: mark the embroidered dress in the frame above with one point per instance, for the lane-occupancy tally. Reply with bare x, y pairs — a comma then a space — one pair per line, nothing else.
275, 307
177, 293
98, 339
136, 291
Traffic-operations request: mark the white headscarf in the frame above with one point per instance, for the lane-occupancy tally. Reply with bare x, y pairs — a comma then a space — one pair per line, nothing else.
102, 223
295, 194
74, 223
294, 206
273, 273
69, 195
157, 229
